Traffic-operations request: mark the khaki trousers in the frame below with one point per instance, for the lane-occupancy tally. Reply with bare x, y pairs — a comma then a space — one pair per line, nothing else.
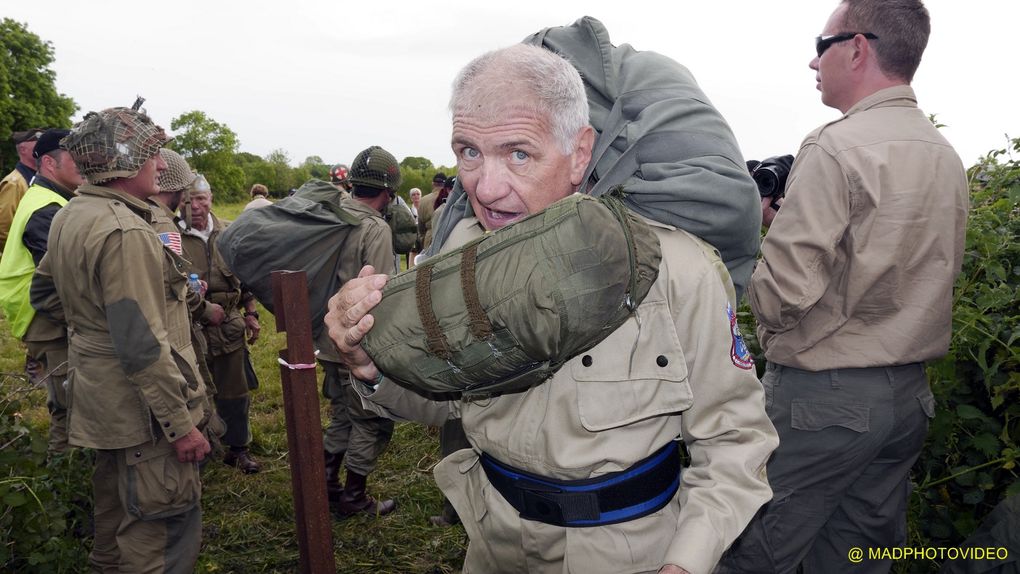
363, 435
147, 513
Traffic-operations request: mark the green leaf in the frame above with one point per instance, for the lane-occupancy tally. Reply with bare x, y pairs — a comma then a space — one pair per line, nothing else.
974, 496
988, 444
969, 412
1013, 489
15, 498
941, 530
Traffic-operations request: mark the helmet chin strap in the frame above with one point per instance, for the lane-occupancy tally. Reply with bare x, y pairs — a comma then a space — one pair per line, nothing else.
186, 208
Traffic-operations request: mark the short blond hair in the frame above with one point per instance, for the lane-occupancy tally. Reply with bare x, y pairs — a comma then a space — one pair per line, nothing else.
259, 189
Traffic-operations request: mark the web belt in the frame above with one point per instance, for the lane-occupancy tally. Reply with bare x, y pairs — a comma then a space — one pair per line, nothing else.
621, 496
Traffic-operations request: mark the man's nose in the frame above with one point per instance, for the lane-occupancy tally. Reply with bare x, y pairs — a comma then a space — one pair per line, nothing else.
493, 182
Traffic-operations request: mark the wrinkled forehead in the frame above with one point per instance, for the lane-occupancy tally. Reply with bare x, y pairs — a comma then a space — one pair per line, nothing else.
488, 99
501, 117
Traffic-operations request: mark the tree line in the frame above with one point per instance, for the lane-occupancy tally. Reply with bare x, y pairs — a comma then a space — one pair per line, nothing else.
30, 99
212, 149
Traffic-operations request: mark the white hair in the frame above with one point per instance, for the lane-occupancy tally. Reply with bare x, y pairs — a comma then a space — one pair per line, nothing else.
550, 78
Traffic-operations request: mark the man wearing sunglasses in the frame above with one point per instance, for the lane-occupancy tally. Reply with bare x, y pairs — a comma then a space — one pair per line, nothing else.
853, 294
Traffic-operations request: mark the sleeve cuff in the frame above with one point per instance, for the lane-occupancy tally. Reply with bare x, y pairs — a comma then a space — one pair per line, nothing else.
176, 427
694, 550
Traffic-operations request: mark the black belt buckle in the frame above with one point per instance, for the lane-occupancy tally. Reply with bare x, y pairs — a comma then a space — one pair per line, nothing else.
554, 506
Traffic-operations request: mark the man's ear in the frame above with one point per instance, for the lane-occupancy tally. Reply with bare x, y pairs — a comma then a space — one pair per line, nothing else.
581, 156
861, 52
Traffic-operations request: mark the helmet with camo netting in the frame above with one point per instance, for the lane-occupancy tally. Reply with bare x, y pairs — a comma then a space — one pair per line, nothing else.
178, 175
113, 143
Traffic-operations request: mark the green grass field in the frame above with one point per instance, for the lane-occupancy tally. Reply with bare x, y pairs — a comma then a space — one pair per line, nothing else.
248, 522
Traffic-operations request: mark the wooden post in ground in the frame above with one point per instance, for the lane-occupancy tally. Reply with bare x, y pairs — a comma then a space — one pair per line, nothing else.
304, 429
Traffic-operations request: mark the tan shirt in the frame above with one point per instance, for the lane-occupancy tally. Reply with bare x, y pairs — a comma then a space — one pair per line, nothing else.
857, 270
256, 203
12, 189
594, 419
426, 215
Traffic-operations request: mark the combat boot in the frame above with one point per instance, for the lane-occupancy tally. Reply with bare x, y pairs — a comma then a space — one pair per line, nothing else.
333, 489
354, 498
242, 459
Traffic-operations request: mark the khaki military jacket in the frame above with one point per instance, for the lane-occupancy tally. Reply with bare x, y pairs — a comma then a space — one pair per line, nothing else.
370, 243
224, 288
199, 310
858, 268
12, 189
426, 210
675, 370
122, 295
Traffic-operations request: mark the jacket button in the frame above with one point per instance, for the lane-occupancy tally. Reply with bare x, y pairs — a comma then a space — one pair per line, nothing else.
661, 360
173, 434
138, 454
166, 425
586, 360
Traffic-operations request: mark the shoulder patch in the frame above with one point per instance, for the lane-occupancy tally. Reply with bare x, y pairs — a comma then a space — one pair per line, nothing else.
739, 354
172, 241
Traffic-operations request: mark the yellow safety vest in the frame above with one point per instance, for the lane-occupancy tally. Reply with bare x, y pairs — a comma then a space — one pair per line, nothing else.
17, 265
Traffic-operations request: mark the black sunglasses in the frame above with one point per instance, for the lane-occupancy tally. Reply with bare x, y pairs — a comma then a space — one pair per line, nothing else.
822, 43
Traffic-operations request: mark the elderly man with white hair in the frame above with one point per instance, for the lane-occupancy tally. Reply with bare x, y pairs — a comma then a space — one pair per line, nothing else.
583, 472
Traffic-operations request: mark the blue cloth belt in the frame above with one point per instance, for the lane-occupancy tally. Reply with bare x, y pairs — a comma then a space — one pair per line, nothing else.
616, 497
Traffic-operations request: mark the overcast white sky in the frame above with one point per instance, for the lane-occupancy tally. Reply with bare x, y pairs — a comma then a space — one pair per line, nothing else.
332, 78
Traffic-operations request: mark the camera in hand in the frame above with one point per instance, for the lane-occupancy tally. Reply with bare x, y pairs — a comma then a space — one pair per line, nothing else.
770, 174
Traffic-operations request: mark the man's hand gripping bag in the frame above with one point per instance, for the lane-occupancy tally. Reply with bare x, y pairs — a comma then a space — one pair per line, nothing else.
504, 312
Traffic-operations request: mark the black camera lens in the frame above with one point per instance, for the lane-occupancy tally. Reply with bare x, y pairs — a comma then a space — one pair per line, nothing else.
767, 180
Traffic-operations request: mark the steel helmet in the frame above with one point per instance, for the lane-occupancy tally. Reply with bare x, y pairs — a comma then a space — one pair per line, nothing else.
113, 143
339, 173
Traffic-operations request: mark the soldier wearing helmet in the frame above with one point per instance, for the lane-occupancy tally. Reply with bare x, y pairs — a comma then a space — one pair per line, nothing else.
174, 182
134, 385
355, 438
226, 342
339, 175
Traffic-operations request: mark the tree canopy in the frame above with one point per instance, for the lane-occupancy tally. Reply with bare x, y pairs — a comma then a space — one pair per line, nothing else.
211, 148
28, 91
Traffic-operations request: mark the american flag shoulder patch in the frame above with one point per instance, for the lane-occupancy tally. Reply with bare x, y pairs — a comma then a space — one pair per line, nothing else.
172, 240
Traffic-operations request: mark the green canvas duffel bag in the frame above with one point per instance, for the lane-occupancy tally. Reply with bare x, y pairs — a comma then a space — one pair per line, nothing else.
504, 312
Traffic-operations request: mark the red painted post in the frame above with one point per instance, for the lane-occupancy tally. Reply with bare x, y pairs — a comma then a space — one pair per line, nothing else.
304, 429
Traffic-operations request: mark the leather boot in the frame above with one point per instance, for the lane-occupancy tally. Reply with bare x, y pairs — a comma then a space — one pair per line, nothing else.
333, 488
354, 498
242, 459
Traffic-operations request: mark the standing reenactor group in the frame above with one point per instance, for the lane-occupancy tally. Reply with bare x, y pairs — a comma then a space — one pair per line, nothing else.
582, 473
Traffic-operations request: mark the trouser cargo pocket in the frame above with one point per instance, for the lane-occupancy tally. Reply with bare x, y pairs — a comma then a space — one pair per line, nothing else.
157, 484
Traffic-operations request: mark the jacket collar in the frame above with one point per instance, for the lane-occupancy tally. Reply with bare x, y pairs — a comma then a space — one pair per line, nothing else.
896, 96
53, 186
214, 226
353, 204
134, 204
25, 171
